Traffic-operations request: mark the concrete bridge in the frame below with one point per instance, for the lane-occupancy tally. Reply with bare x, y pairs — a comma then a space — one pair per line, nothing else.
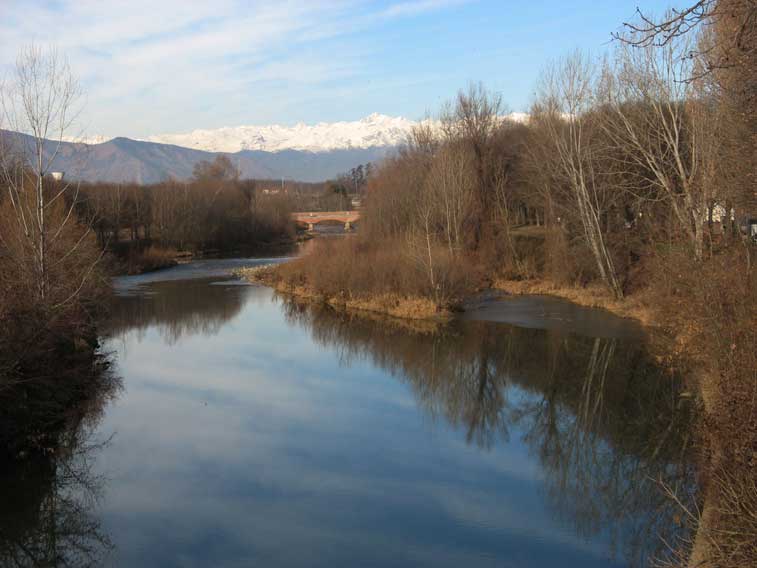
310, 219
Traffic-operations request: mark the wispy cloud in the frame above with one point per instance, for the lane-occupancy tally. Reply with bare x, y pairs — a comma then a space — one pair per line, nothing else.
415, 7
147, 65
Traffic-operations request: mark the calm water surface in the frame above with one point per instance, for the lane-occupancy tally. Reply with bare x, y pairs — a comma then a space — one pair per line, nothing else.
254, 431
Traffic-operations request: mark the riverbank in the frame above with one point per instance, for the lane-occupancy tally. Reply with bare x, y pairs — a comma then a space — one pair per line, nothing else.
704, 319
156, 257
591, 296
393, 305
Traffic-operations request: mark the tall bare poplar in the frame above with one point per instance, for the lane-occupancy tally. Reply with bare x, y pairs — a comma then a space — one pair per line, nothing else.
472, 122
450, 184
564, 111
664, 124
38, 104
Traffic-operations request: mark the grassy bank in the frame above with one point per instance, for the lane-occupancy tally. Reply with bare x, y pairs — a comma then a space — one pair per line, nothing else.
354, 274
592, 296
387, 304
153, 257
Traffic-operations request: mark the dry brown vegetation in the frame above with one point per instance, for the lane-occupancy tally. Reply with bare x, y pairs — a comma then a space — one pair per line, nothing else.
710, 309
352, 273
151, 258
50, 277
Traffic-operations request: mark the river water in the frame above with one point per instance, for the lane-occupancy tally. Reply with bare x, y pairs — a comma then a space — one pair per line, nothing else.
247, 429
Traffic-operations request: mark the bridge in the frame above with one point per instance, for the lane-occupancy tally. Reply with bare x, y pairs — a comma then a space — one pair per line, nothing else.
310, 219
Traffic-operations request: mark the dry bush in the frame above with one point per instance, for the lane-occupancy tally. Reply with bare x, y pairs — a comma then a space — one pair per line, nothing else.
77, 282
525, 259
351, 268
271, 218
710, 307
392, 196
151, 258
558, 266
734, 538
723, 528
554, 257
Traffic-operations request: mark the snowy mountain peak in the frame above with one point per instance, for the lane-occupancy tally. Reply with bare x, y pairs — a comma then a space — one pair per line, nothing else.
374, 130
89, 140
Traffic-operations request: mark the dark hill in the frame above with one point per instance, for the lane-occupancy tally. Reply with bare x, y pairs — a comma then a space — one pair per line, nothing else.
124, 160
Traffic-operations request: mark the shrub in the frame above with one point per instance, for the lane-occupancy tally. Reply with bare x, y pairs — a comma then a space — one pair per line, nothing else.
151, 258
351, 268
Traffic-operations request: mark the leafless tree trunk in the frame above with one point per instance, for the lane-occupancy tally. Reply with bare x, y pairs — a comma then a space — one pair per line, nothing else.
666, 126
450, 186
566, 99
38, 106
472, 122
421, 240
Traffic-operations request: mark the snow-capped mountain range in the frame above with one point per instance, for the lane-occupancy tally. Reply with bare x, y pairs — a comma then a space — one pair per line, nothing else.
302, 152
373, 131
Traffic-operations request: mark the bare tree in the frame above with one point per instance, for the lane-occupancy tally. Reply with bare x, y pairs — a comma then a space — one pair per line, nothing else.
472, 122
726, 52
422, 237
220, 169
563, 110
450, 185
647, 31
667, 127
38, 105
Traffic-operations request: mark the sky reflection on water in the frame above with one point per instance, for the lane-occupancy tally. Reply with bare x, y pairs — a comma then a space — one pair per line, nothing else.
252, 431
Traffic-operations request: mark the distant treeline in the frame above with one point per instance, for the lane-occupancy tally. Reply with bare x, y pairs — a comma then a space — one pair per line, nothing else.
214, 210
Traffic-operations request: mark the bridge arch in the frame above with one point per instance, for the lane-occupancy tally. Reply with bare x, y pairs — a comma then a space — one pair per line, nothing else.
310, 219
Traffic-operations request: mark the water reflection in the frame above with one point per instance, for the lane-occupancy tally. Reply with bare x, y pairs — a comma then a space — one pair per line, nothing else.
49, 412
193, 307
256, 430
602, 417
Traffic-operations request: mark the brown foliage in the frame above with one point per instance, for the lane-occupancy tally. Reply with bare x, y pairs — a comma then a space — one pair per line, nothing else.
76, 281
151, 258
211, 212
352, 268
710, 308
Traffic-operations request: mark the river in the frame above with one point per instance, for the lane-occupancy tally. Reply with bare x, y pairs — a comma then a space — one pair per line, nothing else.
242, 428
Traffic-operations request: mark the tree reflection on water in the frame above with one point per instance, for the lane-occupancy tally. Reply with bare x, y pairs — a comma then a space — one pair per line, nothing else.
604, 420
190, 307
50, 406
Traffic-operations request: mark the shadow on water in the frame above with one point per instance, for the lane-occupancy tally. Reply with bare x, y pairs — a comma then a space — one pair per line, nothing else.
197, 298
50, 407
606, 423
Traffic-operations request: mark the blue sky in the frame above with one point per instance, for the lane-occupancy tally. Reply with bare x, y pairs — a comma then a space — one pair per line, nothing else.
157, 66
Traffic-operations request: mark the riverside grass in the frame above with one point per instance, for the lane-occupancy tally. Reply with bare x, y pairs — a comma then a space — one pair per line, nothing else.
394, 305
